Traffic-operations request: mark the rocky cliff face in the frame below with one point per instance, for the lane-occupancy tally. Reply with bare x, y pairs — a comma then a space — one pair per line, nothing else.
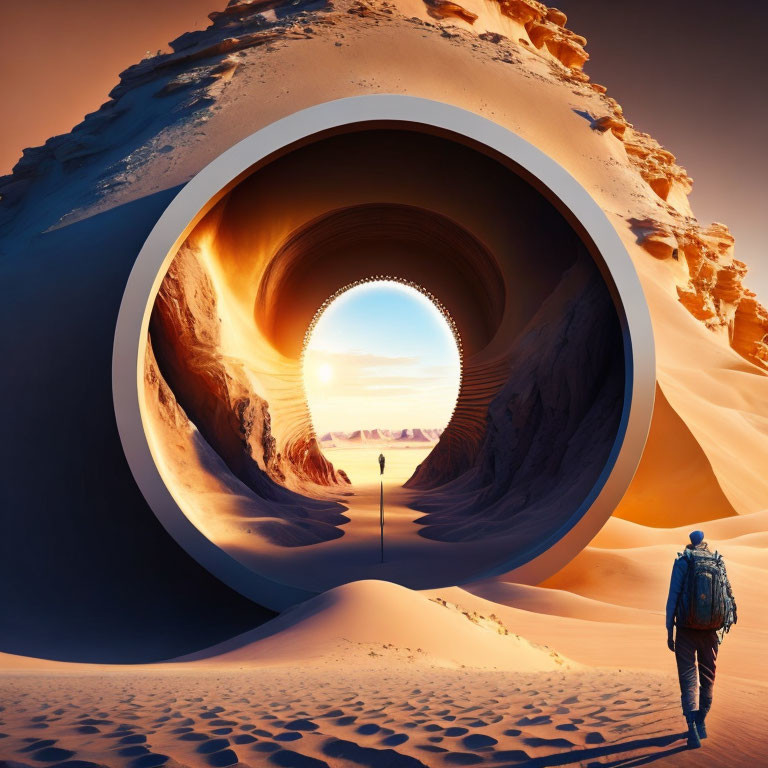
709, 282
215, 392
547, 432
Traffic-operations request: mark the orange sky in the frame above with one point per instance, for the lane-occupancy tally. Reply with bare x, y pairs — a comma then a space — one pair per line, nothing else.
60, 58
695, 82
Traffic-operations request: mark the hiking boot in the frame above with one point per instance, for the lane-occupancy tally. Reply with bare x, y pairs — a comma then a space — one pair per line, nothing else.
693, 735
701, 716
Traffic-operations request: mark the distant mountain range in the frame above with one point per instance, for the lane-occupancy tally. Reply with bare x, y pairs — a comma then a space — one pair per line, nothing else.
376, 436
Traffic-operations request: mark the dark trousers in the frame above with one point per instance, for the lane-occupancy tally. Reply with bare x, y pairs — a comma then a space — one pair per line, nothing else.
692, 645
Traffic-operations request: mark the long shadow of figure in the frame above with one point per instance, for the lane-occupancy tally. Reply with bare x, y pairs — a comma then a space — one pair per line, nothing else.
582, 755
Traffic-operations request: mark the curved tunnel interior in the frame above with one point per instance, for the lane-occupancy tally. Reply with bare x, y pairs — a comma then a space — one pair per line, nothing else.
544, 383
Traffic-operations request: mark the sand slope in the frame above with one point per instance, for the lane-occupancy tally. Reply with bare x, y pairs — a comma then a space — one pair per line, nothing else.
331, 684
371, 618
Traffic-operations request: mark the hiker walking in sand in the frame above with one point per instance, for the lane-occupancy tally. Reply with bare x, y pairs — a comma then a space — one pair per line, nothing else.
381, 463
701, 606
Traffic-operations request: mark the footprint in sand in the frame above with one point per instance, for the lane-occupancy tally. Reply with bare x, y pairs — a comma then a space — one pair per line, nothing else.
368, 729
479, 741
540, 720
139, 749
266, 746
212, 745
288, 759
221, 759
462, 758
52, 755
288, 736
36, 744
554, 743
395, 739
243, 738
151, 760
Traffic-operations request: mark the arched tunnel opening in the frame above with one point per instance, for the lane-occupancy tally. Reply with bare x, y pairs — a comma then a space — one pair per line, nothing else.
545, 387
382, 363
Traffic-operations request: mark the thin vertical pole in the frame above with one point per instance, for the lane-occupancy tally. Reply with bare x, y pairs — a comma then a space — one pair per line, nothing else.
381, 519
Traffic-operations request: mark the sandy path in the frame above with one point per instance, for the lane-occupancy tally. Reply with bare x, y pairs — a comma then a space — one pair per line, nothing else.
409, 558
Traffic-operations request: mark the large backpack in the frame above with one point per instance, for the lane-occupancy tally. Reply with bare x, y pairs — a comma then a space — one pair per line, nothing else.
704, 602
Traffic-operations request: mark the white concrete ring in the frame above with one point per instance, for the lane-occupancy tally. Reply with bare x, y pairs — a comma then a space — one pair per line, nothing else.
217, 178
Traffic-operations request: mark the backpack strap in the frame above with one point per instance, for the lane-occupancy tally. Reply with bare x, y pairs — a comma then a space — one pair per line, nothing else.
686, 557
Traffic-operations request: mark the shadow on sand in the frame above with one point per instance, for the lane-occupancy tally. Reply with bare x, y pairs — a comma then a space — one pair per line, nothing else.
581, 756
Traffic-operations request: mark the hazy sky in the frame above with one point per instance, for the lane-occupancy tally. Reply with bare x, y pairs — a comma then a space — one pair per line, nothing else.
381, 355
690, 72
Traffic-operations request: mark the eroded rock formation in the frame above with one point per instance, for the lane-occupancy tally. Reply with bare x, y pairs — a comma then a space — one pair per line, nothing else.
216, 393
547, 432
709, 282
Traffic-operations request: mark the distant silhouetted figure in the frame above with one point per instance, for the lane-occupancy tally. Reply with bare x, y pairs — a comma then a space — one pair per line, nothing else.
700, 604
381, 503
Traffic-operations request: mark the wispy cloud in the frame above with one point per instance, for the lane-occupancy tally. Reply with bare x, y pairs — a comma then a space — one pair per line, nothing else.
361, 373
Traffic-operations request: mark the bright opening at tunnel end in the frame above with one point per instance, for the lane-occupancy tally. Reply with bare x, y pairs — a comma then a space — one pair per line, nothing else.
382, 371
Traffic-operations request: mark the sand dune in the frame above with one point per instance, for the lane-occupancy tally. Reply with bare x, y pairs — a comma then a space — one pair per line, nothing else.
675, 483
640, 578
559, 602
331, 684
618, 533
377, 617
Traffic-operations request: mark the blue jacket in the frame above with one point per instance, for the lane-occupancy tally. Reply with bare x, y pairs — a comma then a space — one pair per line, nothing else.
679, 570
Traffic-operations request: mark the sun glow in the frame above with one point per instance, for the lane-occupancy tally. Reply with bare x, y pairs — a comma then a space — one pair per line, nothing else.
381, 357
324, 373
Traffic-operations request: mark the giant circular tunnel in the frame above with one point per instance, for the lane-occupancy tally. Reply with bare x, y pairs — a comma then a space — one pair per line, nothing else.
557, 378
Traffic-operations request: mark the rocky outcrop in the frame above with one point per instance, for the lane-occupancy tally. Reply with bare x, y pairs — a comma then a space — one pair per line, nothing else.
709, 282
657, 166
546, 29
307, 460
458, 447
199, 61
215, 392
546, 432
444, 9
280, 518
